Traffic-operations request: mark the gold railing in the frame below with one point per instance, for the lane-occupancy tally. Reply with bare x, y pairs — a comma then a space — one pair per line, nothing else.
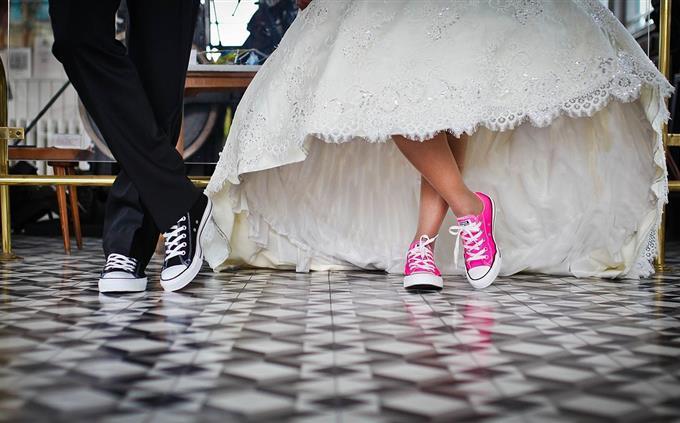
5, 135
669, 140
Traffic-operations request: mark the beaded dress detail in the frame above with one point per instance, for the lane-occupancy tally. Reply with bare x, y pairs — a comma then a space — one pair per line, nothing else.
562, 108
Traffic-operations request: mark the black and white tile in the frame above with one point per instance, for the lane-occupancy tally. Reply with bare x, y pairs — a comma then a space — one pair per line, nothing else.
260, 345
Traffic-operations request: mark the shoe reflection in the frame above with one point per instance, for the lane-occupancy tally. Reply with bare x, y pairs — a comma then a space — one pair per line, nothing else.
470, 318
478, 317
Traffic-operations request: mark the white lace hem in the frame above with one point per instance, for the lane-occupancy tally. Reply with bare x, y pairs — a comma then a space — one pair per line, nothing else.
654, 107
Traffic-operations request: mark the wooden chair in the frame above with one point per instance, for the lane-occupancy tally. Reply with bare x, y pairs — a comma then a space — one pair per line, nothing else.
64, 162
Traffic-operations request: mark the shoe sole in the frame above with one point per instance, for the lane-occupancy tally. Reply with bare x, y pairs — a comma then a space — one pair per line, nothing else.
190, 273
423, 281
122, 284
492, 274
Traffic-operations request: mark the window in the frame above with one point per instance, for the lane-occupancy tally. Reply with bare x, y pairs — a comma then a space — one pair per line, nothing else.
637, 14
229, 21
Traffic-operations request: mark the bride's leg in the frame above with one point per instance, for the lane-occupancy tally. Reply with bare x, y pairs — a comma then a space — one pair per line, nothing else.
432, 210
436, 163
458, 147
433, 207
441, 187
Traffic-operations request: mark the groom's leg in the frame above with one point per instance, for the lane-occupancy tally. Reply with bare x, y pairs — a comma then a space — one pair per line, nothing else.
128, 227
158, 40
111, 89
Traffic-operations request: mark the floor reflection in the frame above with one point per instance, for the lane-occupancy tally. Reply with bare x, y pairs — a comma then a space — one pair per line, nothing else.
332, 346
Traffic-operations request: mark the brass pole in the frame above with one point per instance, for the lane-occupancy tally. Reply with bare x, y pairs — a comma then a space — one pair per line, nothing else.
5, 222
664, 67
79, 180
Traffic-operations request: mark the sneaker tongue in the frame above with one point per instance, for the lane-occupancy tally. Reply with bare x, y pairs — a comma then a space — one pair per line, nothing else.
415, 245
466, 220
177, 260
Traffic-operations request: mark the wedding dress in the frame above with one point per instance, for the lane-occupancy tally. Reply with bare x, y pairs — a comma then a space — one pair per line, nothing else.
562, 108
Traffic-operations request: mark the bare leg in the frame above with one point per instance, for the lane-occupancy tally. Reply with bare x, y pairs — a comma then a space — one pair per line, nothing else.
436, 163
432, 210
458, 147
433, 207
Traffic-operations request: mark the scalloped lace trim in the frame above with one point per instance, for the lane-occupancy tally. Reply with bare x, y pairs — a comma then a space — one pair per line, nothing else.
627, 76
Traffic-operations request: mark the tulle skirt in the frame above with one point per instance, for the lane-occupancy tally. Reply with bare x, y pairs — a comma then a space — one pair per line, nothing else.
562, 109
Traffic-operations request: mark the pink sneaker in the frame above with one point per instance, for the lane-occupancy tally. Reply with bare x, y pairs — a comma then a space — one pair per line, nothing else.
420, 270
482, 256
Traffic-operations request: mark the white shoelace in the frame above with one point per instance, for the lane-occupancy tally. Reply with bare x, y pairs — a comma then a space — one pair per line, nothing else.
120, 261
420, 255
173, 245
471, 236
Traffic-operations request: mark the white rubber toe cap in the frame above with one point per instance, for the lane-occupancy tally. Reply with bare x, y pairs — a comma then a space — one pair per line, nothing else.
119, 274
177, 277
121, 282
483, 276
423, 281
478, 272
172, 272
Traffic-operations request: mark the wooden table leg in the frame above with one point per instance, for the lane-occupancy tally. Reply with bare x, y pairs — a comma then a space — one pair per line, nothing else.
75, 212
63, 210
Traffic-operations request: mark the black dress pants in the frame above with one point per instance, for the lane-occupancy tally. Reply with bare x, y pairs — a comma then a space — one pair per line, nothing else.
135, 97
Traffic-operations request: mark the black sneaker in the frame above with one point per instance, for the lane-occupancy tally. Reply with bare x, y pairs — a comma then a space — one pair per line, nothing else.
183, 252
122, 274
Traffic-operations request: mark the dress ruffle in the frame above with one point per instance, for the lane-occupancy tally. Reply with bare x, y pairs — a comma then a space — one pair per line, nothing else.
313, 94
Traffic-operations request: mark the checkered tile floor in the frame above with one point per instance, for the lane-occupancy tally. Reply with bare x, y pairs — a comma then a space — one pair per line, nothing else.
257, 345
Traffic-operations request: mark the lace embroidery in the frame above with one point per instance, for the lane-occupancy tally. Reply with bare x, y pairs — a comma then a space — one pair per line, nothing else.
364, 36
584, 87
521, 10
507, 91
